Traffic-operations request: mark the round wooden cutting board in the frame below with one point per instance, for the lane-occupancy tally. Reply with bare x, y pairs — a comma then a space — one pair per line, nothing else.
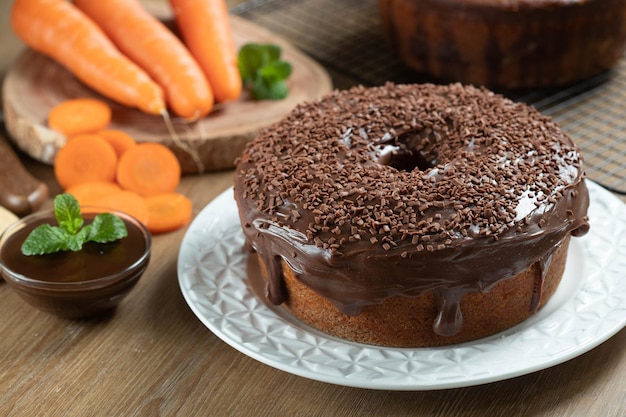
35, 83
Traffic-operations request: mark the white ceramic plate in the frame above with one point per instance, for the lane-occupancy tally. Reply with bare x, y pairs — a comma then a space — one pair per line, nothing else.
588, 308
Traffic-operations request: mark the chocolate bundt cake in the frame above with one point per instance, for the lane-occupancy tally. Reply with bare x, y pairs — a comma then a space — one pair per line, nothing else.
412, 215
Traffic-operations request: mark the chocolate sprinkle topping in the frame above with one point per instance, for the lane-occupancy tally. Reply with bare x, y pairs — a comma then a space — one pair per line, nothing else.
394, 171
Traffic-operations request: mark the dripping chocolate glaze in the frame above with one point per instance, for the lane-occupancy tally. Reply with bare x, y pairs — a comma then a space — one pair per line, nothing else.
401, 189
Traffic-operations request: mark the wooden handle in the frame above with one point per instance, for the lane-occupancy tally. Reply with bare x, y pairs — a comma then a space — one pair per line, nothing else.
20, 192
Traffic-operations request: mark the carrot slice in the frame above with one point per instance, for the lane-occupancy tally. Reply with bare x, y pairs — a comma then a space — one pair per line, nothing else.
79, 115
168, 212
59, 30
125, 201
120, 140
85, 158
149, 168
89, 192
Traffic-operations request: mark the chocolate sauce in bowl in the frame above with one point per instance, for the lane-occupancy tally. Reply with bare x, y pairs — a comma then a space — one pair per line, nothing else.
96, 260
76, 284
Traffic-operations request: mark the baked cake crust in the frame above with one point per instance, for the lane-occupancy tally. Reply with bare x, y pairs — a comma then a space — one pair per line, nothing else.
506, 43
408, 321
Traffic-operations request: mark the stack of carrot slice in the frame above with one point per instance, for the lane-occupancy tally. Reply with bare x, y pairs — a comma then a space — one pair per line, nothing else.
107, 168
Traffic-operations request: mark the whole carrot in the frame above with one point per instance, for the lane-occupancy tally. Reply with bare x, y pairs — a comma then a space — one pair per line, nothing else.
205, 27
57, 29
149, 43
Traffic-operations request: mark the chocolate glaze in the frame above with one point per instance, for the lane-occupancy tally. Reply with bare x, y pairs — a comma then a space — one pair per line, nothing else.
486, 189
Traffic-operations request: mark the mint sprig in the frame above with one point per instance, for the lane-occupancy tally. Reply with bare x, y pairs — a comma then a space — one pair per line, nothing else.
263, 72
71, 233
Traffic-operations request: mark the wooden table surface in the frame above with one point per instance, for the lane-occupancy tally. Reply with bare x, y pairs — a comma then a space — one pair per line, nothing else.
153, 357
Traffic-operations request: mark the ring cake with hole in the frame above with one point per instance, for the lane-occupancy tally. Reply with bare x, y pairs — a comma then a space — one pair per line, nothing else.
411, 215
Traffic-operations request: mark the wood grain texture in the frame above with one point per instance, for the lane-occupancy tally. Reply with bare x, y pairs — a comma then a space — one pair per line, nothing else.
35, 83
153, 357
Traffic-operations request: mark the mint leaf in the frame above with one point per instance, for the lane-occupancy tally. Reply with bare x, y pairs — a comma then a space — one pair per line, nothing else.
45, 239
251, 57
273, 52
269, 90
106, 227
262, 71
75, 242
67, 212
71, 234
276, 71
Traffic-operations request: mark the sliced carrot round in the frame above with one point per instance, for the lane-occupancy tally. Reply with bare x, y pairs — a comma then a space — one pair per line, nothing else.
168, 212
85, 158
120, 140
80, 115
88, 192
149, 168
125, 201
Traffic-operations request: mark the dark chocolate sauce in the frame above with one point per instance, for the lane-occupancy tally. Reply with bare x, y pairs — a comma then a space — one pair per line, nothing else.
95, 260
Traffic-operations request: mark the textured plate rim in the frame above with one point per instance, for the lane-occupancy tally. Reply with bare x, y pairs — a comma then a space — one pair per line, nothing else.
581, 315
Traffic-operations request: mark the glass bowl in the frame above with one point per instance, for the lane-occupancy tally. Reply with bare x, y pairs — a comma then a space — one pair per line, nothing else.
78, 284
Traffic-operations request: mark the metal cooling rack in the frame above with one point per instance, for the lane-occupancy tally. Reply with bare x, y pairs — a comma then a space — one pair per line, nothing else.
345, 37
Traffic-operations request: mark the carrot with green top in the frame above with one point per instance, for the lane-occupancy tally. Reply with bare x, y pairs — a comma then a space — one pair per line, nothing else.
151, 45
205, 27
56, 28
